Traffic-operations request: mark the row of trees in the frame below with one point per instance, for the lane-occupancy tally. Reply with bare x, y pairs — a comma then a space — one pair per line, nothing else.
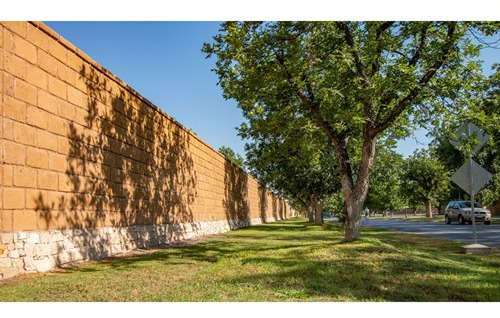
321, 97
310, 179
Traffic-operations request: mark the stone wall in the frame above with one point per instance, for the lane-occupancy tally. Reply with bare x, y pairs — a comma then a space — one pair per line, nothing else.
90, 168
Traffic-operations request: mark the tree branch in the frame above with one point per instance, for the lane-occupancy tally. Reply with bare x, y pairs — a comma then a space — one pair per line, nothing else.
378, 33
340, 147
354, 52
400, 53
367, 157
428, 75
301, 201
423, 38
413, 61
368, 105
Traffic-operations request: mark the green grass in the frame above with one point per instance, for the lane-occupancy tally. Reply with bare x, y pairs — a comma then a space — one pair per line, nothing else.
284, 261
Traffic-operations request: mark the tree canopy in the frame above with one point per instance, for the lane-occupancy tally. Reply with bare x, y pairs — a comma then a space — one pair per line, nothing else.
355, 81
486, 115
234, 157
294, 161
384, 193
426, 179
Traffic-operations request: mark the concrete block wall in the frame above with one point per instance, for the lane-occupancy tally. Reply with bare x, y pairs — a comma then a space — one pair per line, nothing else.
90, 168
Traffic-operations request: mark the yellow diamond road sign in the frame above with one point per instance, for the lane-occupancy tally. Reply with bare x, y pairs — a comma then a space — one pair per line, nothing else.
462, 177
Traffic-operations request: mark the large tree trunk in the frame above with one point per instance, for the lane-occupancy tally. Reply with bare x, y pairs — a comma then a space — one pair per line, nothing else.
355, 194
354, 190
428, 209
318, 216
352, 226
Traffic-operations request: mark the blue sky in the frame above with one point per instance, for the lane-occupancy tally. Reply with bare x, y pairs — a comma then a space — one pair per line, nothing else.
163, 62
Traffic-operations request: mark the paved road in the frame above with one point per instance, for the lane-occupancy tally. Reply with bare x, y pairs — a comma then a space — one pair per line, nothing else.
486, 234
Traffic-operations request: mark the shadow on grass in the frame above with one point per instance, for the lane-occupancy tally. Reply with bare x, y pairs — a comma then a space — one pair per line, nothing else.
382, 266
206, 252
292, 226
311, 265
350, 280
365, 274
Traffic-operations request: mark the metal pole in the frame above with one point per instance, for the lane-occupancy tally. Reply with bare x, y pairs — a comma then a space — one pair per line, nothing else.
472, 193
472, 210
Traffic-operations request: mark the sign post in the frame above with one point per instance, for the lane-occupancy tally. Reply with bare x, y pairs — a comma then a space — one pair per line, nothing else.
471, 177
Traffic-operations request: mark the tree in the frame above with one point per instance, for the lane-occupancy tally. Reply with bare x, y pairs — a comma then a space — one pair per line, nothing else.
425, 179
451, 158
488, 118
232, 156
291, 159
384, 193
485, 115
335, 204
356, 81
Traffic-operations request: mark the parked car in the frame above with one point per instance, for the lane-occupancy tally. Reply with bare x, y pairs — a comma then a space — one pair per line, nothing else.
460, 211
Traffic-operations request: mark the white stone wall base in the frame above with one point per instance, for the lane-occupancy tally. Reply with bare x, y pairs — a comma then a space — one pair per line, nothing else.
41, 251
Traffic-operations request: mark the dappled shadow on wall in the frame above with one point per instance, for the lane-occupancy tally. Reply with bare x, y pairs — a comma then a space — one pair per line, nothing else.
263, 203
128, 165
235, 202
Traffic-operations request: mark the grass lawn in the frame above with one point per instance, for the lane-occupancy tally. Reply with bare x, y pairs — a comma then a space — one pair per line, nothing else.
285, 261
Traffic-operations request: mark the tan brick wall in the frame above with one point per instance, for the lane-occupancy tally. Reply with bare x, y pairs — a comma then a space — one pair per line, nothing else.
81, 149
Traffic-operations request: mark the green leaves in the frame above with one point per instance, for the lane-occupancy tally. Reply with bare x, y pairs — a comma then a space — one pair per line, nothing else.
483, 111
358, 74
350, 82
235, 158
386, 179
425, 178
